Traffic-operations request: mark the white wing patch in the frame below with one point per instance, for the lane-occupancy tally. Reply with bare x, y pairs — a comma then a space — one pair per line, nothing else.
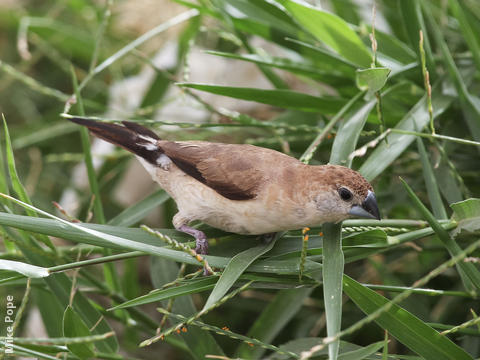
164, 162
148, 146
147, 138
151, 145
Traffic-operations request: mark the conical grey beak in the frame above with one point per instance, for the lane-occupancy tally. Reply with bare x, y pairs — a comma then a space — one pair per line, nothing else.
369, 208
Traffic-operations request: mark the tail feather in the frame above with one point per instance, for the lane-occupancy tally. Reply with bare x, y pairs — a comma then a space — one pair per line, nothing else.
132, 137
139, 129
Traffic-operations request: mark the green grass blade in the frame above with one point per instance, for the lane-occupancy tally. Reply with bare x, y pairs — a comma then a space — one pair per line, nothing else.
331, 30
9, 245
272, 320
192, 287
37, 134
276, 81
304, 68
236, 266
310, 151
333, 262
361, 353
332, 254
180, 18
405, 327
470, 107
262, 18
128, 239
109, 271
416, 118
431, 183
200, 343
28, 270
16, 183
372, 79
467, 216
63, 340
348, 351
92, 177
58, 295
393, 48
281, 98
413, 22
32, 83
73, 326
58, 229
61, 285
325, 59
140, 210
469, 273
204, 284
466, 210
467, 31
22, 351
349, 132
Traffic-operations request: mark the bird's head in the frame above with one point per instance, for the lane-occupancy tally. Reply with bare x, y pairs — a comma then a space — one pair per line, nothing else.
345, 194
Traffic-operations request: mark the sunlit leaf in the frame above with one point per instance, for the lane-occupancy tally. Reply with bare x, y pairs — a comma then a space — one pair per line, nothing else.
28, 270
331, 30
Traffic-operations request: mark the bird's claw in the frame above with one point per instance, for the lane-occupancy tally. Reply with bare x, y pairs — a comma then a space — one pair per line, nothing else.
201, 242
201, 245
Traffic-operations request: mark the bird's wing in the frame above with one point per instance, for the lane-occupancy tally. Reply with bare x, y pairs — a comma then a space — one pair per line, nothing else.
237, 172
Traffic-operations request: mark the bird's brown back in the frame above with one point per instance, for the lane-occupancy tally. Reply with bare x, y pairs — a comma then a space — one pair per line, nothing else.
237, 172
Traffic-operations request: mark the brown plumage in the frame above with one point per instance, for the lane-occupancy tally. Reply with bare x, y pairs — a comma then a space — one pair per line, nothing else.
242, 188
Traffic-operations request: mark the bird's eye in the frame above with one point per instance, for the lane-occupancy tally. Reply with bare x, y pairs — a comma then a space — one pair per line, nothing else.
345, 194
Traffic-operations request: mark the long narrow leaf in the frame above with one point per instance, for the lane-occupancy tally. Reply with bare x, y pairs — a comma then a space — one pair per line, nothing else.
235, 267
469, 273
169, 293
281, 98
273, 319
17, 184
349, 132
431, 183
28, 270
200, 343
333, 262
416, 118
466, 29
332, 30
408, 329
298, 67
138, 211
130, 239
471, 108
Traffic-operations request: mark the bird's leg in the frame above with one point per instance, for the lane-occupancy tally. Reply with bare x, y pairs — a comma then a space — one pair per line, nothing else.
201, 243
180, 222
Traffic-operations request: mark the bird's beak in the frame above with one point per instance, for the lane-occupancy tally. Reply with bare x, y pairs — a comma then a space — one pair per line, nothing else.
369, 208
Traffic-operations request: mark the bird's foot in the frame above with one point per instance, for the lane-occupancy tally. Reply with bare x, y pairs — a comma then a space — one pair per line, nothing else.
201, 242
266, 238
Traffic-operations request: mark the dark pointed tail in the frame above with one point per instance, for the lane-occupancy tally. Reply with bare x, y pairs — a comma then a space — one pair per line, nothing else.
132, 137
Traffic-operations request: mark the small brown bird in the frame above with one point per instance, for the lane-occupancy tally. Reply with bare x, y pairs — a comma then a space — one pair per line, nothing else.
243, 189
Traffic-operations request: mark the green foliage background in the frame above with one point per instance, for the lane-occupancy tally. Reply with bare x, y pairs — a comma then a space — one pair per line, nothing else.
105, 286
